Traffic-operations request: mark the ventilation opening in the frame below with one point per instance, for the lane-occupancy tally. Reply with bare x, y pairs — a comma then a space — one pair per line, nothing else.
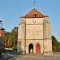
35, 15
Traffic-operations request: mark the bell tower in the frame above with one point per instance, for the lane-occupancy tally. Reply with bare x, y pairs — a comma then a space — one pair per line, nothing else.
34, 35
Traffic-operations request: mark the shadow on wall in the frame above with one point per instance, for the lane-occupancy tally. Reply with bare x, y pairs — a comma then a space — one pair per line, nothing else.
20, 51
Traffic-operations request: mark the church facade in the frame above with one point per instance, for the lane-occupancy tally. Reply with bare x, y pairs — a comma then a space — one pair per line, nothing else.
34, 34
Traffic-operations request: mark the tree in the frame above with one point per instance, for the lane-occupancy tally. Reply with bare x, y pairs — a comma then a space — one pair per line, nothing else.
55, 44
14, 35
7, 37
11, 38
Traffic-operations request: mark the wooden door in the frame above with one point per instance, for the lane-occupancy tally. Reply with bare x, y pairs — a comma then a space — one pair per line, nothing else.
38, 48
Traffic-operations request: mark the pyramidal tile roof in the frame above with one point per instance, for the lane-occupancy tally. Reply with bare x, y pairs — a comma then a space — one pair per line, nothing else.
34, 13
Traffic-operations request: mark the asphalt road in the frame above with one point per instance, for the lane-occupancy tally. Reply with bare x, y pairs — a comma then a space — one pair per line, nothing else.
8, 54
12, 55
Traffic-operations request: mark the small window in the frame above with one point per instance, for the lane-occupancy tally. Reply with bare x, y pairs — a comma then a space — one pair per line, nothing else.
35, 15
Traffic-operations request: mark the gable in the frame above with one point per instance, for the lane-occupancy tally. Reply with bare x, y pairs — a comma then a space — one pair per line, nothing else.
34, 13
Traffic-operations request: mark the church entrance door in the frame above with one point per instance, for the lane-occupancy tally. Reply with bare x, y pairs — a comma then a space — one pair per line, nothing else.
38, 48
30, 48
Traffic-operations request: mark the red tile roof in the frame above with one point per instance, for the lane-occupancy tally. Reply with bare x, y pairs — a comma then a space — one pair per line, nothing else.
34, 13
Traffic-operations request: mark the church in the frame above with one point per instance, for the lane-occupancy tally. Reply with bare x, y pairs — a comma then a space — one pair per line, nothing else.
34, 34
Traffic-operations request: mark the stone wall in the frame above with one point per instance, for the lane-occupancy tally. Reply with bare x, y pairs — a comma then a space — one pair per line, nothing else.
34, 31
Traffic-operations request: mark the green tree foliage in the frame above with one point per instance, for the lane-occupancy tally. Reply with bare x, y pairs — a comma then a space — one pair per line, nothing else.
55, 45
6, 37
12, 36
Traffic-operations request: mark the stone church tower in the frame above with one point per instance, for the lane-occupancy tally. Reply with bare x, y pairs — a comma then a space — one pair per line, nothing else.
34, 34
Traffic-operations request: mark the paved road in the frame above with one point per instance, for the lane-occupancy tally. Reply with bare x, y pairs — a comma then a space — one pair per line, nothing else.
8, 54
37, 57
12, 55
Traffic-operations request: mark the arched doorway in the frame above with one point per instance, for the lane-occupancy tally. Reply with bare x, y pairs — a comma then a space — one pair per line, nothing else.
31, 48
38, 48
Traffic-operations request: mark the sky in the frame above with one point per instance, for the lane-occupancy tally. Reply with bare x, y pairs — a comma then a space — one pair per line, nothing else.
12, 10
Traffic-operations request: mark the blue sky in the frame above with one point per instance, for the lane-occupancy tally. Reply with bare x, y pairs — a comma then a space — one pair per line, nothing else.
12, 10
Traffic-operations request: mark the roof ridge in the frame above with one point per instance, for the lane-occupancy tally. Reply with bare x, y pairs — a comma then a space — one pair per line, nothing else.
34, 13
